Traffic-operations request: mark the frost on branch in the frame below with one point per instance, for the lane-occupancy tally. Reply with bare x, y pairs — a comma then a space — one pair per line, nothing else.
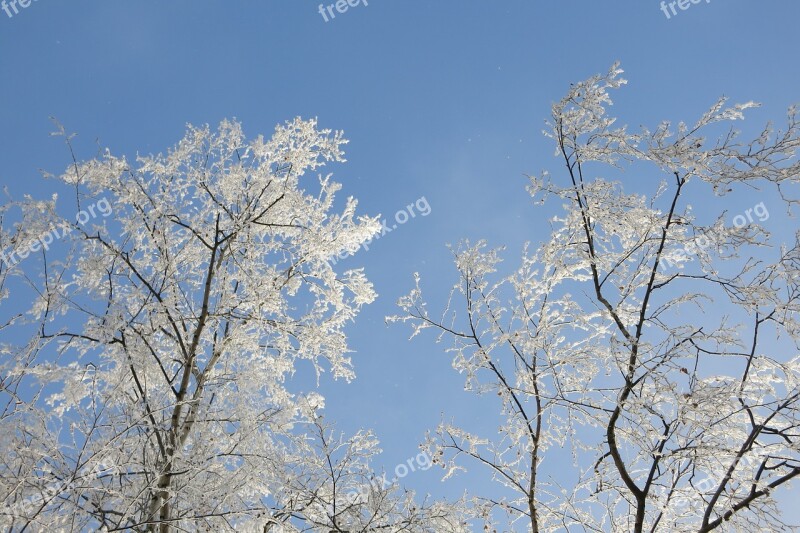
165, 341
650, 340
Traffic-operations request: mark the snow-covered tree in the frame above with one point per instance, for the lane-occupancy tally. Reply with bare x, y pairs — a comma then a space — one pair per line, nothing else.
331, 486
656, 345
157, 392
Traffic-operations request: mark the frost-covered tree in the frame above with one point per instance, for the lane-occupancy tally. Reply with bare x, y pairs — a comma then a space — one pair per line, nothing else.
20, 392
157, 393
656, 345
331, 486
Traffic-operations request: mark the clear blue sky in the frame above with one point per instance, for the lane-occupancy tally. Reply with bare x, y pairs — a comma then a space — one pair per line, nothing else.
440, 98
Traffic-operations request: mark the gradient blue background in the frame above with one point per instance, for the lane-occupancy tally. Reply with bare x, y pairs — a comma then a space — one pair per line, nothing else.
441, 98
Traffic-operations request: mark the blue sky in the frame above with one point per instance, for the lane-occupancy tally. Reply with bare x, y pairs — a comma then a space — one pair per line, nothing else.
444, 99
